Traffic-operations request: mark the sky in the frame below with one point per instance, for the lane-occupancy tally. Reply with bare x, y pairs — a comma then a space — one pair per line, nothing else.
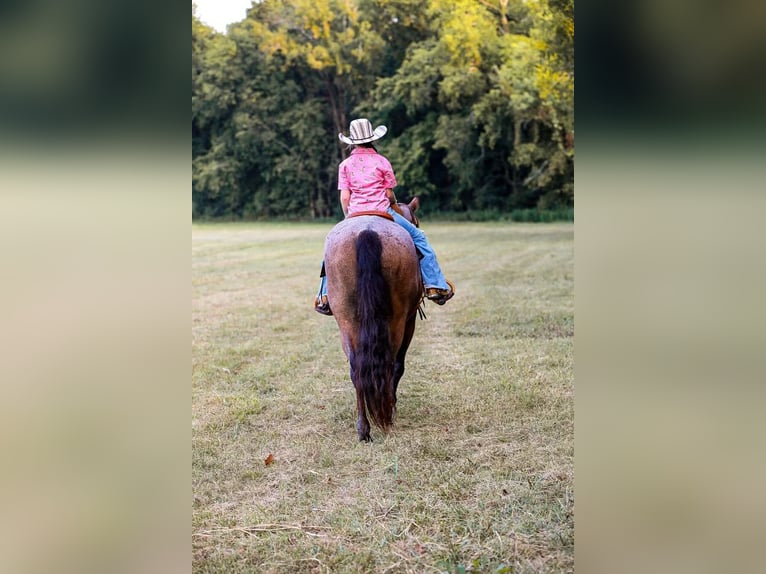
219, 13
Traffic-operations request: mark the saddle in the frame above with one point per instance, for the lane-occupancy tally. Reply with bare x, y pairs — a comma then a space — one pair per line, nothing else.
409, 216
373, 212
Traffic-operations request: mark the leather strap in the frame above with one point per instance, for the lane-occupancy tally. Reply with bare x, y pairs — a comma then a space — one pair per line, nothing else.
378, 213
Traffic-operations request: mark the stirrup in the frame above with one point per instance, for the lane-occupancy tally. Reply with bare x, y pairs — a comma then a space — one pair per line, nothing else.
322, 306
441, 296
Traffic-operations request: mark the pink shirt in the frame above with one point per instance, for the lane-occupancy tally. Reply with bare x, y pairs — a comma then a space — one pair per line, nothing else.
368, 175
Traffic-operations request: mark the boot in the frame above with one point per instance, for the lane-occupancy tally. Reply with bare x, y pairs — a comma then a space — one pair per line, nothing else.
440, 296
322, 305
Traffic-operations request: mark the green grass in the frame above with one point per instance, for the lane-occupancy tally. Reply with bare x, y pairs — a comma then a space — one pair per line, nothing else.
477, 475
527, 215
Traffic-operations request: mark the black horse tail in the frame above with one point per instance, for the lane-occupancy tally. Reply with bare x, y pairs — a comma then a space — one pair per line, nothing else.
373, 360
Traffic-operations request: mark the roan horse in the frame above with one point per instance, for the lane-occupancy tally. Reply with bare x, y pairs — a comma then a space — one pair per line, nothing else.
374, 288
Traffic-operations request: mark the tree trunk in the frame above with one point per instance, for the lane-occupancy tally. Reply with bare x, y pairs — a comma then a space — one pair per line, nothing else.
336, 97
504, 15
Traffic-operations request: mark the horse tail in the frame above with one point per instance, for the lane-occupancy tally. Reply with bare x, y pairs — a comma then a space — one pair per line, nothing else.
373, 360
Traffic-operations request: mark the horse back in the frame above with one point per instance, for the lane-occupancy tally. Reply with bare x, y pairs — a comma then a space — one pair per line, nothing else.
400, 266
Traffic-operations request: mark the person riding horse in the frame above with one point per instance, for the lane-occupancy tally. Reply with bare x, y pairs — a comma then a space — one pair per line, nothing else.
366, 181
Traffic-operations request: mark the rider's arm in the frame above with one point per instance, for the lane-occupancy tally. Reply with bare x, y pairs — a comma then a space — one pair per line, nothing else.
345, 196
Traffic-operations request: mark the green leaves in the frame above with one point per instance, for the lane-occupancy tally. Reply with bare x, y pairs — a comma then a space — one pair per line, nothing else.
478, 97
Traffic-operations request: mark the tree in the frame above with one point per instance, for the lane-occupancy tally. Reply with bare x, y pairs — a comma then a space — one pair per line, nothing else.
498, 78
477, 95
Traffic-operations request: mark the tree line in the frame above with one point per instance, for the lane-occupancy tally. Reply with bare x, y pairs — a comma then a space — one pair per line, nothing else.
477, 95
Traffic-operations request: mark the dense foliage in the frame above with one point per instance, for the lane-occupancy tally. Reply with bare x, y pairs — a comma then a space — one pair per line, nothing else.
478, 96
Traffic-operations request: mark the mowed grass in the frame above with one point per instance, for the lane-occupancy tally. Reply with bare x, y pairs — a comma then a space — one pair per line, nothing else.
477, 475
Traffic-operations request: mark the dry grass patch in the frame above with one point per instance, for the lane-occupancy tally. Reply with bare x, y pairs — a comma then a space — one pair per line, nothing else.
477, 475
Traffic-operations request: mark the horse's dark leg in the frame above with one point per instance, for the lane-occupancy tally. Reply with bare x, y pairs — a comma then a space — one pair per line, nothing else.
362, 424
409, 330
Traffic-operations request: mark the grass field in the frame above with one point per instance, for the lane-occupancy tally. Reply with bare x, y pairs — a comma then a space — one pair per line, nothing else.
477, 475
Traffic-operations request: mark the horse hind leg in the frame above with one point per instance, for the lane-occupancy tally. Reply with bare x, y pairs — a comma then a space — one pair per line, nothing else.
409, 331
362, 423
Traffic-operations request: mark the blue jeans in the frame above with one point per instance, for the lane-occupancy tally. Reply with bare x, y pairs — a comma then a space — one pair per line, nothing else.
429, 266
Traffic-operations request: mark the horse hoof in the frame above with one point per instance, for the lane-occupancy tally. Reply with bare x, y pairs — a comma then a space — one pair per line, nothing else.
365, 438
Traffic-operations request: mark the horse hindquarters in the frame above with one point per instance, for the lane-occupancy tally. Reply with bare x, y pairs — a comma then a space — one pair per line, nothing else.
372, 358
374, 287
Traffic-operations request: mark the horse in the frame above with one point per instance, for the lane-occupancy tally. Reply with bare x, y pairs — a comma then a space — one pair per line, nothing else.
374, 287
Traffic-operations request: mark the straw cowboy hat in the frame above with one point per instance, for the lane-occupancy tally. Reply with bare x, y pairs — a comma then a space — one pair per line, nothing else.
361, 132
